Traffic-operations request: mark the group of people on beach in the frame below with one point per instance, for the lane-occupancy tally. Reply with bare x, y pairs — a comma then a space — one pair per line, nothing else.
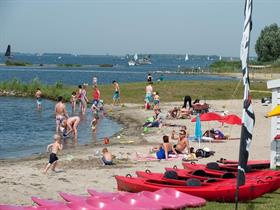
152, 98
65, 124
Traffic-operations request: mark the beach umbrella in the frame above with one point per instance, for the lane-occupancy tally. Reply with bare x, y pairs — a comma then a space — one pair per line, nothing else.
274, 112
231, 119
209, 116
198, 132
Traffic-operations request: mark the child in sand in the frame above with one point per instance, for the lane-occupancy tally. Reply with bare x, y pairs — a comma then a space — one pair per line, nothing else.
107, 158
56, 146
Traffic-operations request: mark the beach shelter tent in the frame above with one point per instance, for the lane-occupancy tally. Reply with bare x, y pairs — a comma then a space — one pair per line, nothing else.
274, 112
232, 119
198, 132
209, 116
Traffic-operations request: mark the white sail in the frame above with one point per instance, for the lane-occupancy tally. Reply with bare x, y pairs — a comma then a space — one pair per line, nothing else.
135, 57
187, 57
220, 58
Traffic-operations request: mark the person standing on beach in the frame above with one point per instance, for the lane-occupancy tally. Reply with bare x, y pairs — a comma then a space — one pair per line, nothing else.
148, 96
38, 96
60, 112
116, 96
94, 81
95, 96
56, 146
150, 79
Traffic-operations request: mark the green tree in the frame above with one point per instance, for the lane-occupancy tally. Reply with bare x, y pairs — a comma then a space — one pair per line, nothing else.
268, 44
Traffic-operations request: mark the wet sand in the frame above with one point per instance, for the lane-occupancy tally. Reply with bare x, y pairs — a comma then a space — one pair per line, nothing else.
21, 179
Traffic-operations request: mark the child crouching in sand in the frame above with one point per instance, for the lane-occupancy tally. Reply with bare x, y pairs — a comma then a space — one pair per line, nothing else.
107, 158
56, 146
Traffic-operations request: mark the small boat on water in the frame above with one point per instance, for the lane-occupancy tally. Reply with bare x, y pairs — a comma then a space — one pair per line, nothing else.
142, 61
187, 57
8, 52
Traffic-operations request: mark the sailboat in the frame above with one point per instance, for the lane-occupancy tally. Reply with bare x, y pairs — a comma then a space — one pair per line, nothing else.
133, 62
8, 52
220, 58
142, 61
187, 57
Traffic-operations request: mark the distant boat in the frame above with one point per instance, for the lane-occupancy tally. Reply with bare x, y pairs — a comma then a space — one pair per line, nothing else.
8, 52
145, 61
142, 61
135, 57
131, 63
59, 57
187, 57
220, 58
208, 58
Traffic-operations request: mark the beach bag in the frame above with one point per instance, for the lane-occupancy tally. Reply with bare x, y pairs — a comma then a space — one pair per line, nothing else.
202, 153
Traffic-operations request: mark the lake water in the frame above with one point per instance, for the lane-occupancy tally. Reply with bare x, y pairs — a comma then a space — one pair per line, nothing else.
25, 131
120, 71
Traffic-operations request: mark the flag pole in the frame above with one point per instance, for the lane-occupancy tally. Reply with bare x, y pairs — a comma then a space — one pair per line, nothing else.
248, 117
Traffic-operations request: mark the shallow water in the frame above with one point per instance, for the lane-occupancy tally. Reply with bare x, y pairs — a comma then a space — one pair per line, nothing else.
25, 131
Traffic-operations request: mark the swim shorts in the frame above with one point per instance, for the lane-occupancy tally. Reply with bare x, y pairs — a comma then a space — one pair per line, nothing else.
53, 158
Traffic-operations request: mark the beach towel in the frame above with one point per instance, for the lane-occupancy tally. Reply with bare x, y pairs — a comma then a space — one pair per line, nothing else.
143, 158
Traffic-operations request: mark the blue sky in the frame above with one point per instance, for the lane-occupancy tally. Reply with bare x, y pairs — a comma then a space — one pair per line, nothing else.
119, 27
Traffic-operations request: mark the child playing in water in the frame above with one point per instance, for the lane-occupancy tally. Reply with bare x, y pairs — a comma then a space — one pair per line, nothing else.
38, 96
107, 158
56, 146
73, 101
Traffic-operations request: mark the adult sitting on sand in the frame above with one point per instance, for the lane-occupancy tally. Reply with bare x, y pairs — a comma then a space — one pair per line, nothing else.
158, 119
165, 149
180, 113
71, 125
182, 143
60, 112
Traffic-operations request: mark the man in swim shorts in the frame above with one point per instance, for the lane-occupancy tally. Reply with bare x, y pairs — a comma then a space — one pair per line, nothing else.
38, 96
60, 112
182, 143
116, 96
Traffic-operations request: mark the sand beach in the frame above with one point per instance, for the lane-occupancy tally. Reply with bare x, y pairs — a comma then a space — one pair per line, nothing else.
20, 179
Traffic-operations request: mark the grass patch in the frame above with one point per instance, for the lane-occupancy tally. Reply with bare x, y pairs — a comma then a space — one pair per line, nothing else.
17, 63
235, 66
134, 92
68, 65
269, 201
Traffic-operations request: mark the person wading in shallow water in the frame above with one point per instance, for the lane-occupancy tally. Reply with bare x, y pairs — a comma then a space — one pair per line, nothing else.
60, 112
38, 96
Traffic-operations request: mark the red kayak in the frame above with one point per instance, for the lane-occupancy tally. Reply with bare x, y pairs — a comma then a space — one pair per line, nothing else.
254, 164
181, 179
270, 176
211, 192
216, 168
